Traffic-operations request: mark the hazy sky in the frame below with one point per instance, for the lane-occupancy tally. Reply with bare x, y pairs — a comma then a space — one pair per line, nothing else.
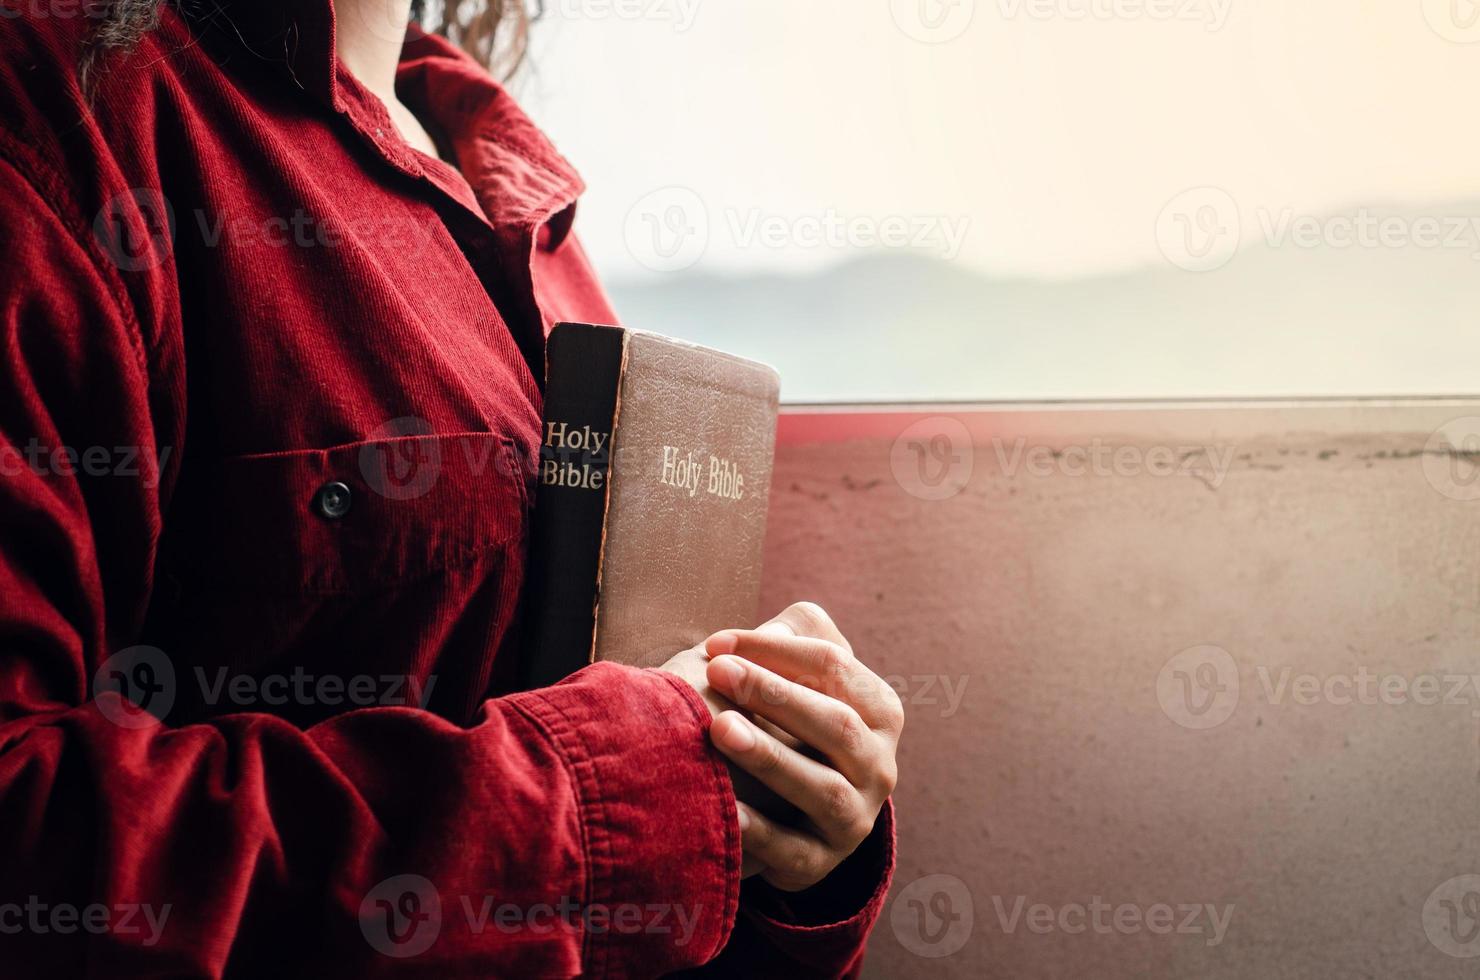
1024, 137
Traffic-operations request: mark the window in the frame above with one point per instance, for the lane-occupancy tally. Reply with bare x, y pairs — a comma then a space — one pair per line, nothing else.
1018, 199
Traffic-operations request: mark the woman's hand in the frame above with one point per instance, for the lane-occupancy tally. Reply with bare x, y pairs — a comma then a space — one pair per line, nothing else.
798, 677
692, 666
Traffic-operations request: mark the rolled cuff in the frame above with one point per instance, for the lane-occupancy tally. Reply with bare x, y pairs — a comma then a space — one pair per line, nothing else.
658, 821
827, 926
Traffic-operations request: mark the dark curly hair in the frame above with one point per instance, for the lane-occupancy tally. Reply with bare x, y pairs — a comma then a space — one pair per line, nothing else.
478, 26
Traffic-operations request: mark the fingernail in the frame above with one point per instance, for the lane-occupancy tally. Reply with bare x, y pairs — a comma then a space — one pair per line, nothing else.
720, 644
739, 736
744, 819
730, 671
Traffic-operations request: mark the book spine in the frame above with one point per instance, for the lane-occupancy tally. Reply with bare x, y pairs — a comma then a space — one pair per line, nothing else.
583, 380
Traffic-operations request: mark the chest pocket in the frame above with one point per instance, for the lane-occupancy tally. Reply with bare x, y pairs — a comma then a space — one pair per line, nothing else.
392, 559
362, 517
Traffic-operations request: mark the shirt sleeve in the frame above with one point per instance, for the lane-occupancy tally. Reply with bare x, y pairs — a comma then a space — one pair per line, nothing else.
552, 836
821, 932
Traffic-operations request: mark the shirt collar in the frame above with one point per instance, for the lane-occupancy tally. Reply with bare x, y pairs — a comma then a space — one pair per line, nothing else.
510, 164
516, 174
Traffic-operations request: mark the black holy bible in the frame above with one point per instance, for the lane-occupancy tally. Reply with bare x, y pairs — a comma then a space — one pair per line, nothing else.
650, 508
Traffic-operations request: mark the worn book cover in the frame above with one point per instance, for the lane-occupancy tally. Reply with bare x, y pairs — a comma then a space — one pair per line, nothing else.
650, 508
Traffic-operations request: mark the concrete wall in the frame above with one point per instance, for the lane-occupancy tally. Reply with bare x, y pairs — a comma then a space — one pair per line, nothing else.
1207, 655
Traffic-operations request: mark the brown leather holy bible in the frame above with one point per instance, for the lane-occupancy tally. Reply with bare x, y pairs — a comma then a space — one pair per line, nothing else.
650, 509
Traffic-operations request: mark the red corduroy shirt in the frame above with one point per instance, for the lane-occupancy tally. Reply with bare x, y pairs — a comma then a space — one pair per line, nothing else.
269, 395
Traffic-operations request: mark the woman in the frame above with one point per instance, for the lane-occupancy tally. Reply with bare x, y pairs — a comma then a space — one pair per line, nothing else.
263, 255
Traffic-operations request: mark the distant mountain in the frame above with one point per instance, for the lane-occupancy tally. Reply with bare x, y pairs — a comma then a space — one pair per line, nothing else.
1277, 320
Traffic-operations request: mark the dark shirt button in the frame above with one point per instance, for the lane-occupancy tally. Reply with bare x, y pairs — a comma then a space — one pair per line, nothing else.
332, 500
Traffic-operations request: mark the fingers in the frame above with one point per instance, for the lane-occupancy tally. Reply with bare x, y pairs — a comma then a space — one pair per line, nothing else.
784, 737
833, 804
819, 665
806, 619
797, 676
826, 724
794, 859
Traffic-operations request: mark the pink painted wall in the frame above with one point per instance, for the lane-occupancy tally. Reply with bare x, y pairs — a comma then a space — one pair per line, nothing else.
1134, 675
